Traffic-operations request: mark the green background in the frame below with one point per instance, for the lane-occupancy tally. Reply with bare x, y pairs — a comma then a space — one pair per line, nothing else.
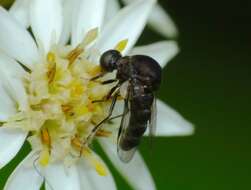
209, 83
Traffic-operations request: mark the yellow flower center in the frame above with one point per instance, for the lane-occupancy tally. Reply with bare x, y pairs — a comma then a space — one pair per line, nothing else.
62, 111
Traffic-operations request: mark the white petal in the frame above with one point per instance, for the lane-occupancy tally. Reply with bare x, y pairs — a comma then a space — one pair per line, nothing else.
91, 180
46, 22
67, 20
162, 51
135, 172
11, 141
170, 122
127, 24
112, 8
87, 15
20, 10
162, 22
10, 70
10, 66
16, 88
15, 40
11, 74
59, 177
7, 105
25, 176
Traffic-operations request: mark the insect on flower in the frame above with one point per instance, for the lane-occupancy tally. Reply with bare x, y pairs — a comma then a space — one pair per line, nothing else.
140, 76
55, 104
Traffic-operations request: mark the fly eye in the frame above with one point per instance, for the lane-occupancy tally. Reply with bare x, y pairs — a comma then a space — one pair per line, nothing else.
108, 60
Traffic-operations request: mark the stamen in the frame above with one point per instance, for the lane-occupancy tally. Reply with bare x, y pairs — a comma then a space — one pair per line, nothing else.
121, 45
45, 137
77, 89
100, 168
103, 133
85, 151
51, 67
74, 54
90, 37
90, 107
66, 108
44, 157
76, 143
51, 57
95, 70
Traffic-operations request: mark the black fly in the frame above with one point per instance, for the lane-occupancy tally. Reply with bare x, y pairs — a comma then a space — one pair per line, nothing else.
142, 76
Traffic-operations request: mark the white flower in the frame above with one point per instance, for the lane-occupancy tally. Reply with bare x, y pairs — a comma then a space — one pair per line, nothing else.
47, 99
158, 19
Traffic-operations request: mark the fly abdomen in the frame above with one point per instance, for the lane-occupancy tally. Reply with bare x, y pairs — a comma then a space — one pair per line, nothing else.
142, 115
133, 135
129, 142
137, 129
141, 103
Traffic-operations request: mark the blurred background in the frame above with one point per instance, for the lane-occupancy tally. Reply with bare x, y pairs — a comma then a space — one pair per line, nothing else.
209, 84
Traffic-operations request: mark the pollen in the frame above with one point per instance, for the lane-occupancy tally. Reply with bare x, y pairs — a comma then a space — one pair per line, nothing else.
101, 170
74, 54
95, 162
103, 133
44, 157
77, 89
121, 45
66, 108
45, 137
51, 57
94, 71
76, 143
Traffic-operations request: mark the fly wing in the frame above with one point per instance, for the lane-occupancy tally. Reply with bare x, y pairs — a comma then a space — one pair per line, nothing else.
152, 124
125, 155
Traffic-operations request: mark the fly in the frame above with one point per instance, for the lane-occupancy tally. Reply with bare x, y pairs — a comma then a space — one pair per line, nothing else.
141, 76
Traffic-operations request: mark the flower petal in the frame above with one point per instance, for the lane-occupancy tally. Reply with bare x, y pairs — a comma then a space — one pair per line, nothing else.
170, 122
87, 15
59, 177
67, 19
91, 180
16, 88
127, 24
112, 8
162, 51
46, 22
11, 74
11, 141
10, 66
162, 22
20, 10
7, 105
136, 172
15, 40
25, 176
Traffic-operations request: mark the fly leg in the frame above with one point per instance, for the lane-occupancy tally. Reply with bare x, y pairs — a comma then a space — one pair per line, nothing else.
109, 95
98, 76
98, 126
115, 117
109, 81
